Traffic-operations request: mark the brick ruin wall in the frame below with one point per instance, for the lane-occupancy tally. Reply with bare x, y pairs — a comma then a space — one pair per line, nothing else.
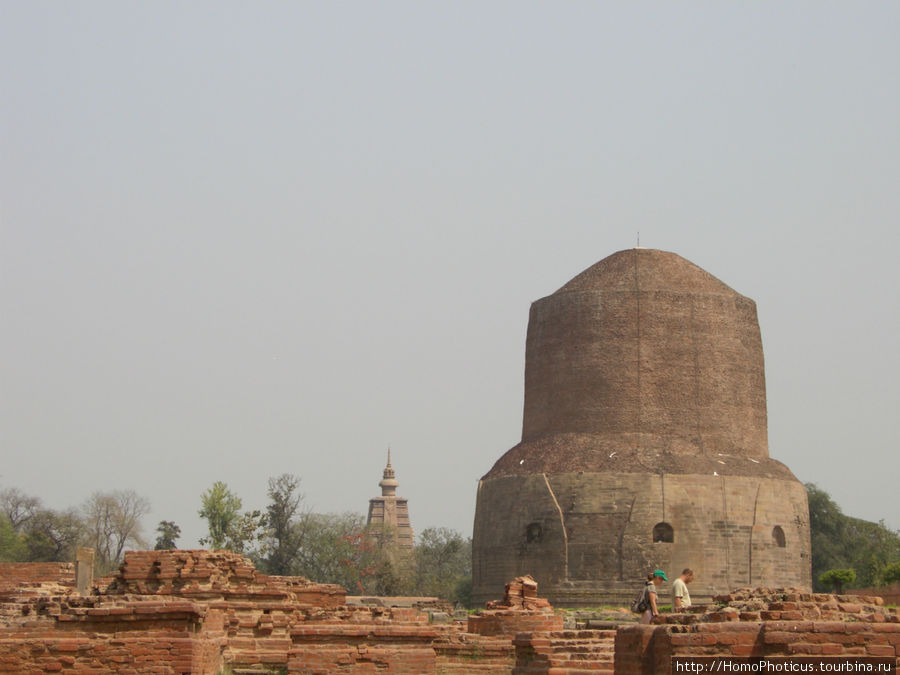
204, 611
764, 623
520, 610
14, 574
890, 594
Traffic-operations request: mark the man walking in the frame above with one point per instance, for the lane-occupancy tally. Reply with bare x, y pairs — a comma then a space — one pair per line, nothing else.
681, 598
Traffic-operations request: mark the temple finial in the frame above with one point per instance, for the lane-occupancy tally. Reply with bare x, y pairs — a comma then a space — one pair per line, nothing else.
388, 483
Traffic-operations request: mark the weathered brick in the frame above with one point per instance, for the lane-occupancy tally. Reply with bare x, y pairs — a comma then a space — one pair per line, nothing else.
881, 650
801, 648
742, 650
780, 637
850, 607
189, 636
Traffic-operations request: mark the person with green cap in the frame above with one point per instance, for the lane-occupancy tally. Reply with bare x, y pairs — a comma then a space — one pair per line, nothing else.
654, 579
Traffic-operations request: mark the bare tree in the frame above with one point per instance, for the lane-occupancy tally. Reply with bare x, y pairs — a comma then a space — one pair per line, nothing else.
18, 507
112, 521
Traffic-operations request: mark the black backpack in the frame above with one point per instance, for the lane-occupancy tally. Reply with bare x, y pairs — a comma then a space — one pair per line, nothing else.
642, 602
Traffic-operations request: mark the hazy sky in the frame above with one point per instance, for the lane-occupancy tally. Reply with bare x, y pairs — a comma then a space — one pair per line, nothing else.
243, 239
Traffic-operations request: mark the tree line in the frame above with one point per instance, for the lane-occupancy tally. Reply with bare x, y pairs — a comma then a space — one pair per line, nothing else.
288, 539
285, 538
108, 522
849, 552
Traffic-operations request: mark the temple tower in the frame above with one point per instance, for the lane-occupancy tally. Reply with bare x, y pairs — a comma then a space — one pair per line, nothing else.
389, 514
644, 444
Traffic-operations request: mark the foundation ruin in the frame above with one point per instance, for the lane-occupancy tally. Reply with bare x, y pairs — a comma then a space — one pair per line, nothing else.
211, 613
208, 612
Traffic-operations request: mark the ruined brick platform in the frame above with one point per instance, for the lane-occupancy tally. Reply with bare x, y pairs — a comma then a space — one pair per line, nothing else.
565, 652
205, 612
764, 622
520, 610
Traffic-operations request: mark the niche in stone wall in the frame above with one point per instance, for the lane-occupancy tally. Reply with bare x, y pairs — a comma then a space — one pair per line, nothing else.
663, 533
533, 533
778, 537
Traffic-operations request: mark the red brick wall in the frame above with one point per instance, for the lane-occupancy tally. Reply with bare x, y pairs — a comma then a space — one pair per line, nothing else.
635, 650
166, 654
464, 654
512, 622
890, 594
13, 574
173, 612
649, 649
216, 575
157, 638
568, 652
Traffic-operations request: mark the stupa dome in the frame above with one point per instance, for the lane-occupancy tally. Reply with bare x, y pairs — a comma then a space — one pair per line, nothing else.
645, 406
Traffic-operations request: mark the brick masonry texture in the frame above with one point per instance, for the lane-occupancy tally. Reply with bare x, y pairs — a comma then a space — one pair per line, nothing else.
565, 652
764, 622
520, 610
890, 594
207, 611
15, 574
644, 444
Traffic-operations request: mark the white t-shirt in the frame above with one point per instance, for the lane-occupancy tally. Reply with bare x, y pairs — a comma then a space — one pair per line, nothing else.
679, 590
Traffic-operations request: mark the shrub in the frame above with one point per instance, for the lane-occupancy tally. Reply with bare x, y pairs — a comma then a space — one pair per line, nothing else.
837, 579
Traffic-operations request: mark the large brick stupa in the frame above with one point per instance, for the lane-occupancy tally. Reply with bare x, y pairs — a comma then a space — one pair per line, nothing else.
644, 444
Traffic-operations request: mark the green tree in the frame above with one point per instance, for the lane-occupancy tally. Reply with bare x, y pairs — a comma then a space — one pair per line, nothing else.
891, 574
443, 564
53, 536
168, 534
337, 549
12, 545
248, 528
463, 591
837, 579
283, 534
221, 509
228, 528
842, 542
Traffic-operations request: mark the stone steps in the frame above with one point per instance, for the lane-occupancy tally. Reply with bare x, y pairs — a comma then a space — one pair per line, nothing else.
541, 669
570, 652
600, 656
587, 651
